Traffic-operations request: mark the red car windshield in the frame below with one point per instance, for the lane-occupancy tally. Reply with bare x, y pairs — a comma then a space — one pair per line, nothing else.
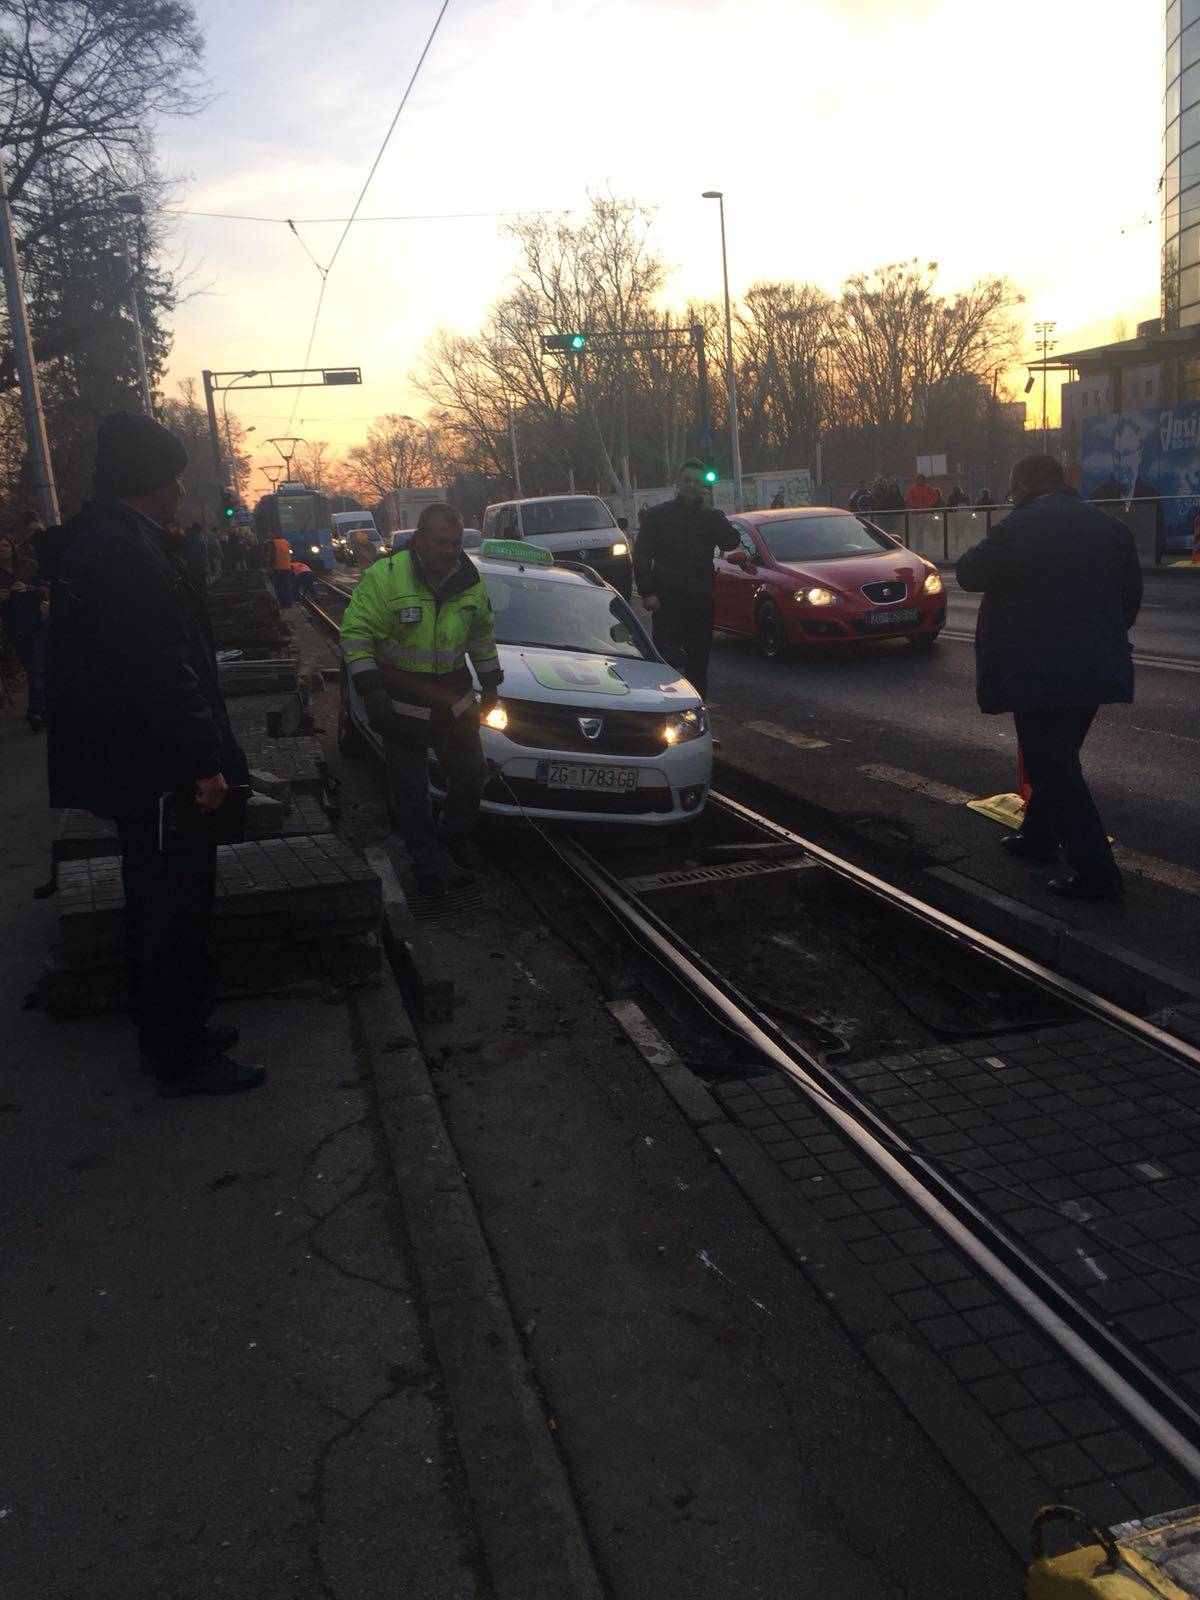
822, 538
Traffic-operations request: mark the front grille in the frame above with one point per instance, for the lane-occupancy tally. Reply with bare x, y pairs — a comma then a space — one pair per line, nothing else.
536, 796
540, 726
886, 594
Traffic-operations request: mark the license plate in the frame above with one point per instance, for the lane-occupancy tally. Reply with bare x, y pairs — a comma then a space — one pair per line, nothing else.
564, 775
892, 619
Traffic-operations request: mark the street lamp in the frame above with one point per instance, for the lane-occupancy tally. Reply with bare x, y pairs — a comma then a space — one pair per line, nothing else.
130, 205
730, 377
233, 471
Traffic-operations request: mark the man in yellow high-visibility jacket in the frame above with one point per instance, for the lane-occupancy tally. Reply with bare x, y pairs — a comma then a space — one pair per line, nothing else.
412, 621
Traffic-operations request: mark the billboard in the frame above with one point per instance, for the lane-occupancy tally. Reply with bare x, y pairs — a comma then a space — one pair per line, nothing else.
788, 487
1133, 456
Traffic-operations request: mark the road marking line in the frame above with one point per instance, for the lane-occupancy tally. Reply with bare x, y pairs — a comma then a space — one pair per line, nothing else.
929, 787
1167, 663
1158, 871
802, 741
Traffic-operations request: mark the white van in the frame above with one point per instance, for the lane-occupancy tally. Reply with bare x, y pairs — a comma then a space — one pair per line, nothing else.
346, 524
576, 527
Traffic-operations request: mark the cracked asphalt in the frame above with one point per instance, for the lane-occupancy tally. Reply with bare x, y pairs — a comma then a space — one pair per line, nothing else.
217, 1377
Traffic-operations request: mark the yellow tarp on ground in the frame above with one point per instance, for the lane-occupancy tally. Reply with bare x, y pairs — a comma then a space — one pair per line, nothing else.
1006, 809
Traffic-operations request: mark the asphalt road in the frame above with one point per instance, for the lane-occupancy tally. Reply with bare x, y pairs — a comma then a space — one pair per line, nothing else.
896, 736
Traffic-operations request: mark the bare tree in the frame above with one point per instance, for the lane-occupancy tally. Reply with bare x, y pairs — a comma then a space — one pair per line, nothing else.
783, 339
394, 456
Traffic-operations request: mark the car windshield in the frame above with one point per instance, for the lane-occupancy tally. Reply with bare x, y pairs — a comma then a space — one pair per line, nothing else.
579, 514
822, 538
563, 616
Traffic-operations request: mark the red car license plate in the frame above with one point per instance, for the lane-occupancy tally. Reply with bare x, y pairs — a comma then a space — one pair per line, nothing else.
892, 619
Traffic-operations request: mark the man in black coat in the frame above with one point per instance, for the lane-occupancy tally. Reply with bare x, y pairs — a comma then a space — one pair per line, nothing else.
136, 717
1061, 589
673, 569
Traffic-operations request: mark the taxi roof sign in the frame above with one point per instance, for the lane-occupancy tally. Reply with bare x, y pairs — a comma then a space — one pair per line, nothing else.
534, 555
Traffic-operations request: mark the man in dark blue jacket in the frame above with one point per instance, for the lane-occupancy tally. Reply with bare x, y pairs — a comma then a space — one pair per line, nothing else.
136, 715
1061, 589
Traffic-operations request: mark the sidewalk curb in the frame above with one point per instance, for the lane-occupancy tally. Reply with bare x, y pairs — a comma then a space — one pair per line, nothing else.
1091, 959
534, 1542
973, 1447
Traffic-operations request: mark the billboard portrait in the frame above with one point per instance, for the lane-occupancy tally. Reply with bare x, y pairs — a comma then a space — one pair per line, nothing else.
1133, 456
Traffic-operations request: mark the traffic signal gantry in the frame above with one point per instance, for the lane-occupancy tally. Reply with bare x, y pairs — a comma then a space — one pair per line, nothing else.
574, 343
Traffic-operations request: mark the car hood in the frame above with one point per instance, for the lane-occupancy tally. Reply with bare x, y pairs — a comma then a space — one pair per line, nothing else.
622, 682
849, 573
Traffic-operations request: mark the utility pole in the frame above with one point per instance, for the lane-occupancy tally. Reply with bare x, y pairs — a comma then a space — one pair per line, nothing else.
730, 374
512, 439
1045, 344
31, 394
130, 205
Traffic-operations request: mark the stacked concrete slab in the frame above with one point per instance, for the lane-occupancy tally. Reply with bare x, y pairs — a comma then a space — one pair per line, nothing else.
245, 614
296, 908
299, 913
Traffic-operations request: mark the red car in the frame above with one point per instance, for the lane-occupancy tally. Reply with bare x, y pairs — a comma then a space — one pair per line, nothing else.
820, 576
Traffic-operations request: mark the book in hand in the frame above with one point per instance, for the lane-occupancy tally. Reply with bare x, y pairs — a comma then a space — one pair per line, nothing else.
181, 821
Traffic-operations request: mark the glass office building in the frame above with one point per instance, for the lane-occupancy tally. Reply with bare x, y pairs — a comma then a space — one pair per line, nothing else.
1181, 167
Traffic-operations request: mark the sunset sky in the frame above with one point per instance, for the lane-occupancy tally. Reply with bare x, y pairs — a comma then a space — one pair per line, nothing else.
845, 133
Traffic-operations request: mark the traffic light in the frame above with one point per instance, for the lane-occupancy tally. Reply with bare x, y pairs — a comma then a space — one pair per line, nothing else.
229, 504
573, 342
710, 475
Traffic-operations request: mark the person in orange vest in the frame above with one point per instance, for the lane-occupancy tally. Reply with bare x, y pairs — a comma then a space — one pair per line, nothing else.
281, 570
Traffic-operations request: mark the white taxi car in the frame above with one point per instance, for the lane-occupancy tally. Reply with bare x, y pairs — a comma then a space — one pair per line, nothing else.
593, 725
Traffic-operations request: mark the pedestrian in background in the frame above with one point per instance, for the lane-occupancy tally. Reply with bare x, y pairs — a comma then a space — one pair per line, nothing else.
23, 599
1061, 586
861, 501
138, 733
673, 570
985, 501
921, 496
280, 552
215, 562
412, 622
958, 497
195, 554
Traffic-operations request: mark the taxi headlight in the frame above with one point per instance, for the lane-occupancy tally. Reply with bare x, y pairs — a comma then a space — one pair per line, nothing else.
687, 725
496, 718
620, 549
933, 583
817, 597
315, 548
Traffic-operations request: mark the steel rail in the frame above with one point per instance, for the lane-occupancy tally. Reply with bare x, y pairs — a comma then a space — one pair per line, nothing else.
1138, 1391
1035, 972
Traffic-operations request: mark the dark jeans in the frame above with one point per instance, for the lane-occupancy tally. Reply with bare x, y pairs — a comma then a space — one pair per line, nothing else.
283, 587
169, 899
1061, 812
686, 626
31, 652
457, 746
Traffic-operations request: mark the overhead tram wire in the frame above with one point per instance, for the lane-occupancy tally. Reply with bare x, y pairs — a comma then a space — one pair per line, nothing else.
362, 194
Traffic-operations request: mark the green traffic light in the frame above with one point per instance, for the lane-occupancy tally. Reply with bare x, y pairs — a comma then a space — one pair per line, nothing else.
577, 341
711, 475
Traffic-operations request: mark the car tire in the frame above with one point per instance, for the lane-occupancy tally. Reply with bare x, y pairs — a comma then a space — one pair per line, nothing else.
770, 632
923, 643
350, 741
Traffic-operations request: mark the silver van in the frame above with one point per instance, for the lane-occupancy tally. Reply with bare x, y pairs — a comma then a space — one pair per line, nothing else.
576, 527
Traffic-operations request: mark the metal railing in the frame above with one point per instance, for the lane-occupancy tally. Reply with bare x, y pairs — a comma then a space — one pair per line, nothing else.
944, 534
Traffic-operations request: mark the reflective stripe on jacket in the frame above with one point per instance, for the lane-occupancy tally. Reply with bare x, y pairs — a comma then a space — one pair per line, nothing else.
398, 624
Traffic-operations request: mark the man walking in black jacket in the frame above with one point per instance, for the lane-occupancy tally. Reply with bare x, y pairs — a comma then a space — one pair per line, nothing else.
673, 569
136, 715
1061, 589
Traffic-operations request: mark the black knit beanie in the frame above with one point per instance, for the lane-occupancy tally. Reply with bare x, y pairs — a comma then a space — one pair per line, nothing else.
134, 456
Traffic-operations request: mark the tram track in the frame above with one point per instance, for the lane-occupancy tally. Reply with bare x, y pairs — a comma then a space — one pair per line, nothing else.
956, 1197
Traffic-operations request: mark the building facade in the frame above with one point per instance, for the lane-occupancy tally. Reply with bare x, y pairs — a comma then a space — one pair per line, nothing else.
1181, 167
1091, 396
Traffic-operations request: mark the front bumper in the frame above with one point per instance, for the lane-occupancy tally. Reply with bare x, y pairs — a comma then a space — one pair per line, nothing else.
672, 785
821, 624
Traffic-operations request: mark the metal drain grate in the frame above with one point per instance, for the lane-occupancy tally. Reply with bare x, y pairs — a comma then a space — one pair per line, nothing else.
725, 872
448, 907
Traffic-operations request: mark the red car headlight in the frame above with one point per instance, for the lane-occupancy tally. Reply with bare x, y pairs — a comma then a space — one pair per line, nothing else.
817, 597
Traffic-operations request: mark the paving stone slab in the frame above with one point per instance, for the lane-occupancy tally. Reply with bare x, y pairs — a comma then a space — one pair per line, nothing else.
1066, 1432
277, 715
